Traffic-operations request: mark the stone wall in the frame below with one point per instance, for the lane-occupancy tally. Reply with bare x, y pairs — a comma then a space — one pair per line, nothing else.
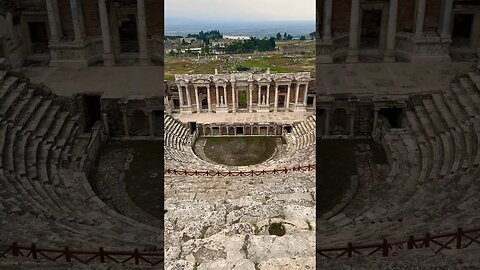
111, 108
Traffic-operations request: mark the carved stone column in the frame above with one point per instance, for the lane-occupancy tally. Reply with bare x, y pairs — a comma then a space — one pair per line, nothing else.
53, 20
420, 18
354, 32
250, 95
77, 20
446, 19
389, 55
225, 100
297, 90
196, 100
288, 97
259, 95
142, 33
234, 104
108, 58
327, 20
276, 98
180, 95
216, 96
189, 99
208, 99
305, 95
268, 96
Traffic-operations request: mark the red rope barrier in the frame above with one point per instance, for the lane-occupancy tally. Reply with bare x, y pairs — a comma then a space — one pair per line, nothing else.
306, 168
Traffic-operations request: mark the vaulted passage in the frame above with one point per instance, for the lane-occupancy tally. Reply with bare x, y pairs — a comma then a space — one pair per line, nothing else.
38, 37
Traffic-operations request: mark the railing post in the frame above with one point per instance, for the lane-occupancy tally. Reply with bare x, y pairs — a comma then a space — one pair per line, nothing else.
385, 248
411, 242
15, 251
136, 256
68, 256
33, 249
459, 238
350, 250
102, 255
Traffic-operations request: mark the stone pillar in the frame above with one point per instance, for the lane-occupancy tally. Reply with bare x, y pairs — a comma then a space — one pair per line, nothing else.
189, 99
259, 95
354, 32
297, 90
196, 100
208, 99
108, 58
352, 122
53, 20
234, 105
305, 93
250, 95
77, 20
420, 18
180, 95
125, 123
276, 98
327, 122
267, 102
327, 20
142, 33
288, 97
225, 101
389, 55
446, 18
150, 122
217, 99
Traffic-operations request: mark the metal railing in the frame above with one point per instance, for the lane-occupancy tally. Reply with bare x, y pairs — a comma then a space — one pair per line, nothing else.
101, 255
458, 240
305, 168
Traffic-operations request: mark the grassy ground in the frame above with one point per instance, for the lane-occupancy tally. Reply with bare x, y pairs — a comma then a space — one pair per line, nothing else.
335, 165
278, 63
240, 151
144, 179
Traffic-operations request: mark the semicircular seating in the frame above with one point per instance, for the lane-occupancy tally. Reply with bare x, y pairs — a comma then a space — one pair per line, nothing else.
44, 199
433, 182
297, 152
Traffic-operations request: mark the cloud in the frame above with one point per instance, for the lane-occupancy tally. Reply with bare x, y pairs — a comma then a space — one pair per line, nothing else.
242, 10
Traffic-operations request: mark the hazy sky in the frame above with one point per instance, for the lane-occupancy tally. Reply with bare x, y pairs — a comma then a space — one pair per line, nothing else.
242, 10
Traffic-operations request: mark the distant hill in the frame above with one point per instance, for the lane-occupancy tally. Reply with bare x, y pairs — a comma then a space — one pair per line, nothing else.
260, 29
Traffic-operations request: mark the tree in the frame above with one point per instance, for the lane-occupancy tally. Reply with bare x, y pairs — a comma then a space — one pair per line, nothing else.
302, 38
279, 36
285, 35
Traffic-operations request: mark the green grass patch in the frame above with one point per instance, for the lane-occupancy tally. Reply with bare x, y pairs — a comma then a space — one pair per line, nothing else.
143, 179
240, 151
335, 166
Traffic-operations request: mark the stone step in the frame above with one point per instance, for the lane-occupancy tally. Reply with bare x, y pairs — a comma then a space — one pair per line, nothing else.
11, 100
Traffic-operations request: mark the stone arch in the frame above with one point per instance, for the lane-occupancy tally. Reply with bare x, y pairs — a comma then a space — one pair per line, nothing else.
139, 124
